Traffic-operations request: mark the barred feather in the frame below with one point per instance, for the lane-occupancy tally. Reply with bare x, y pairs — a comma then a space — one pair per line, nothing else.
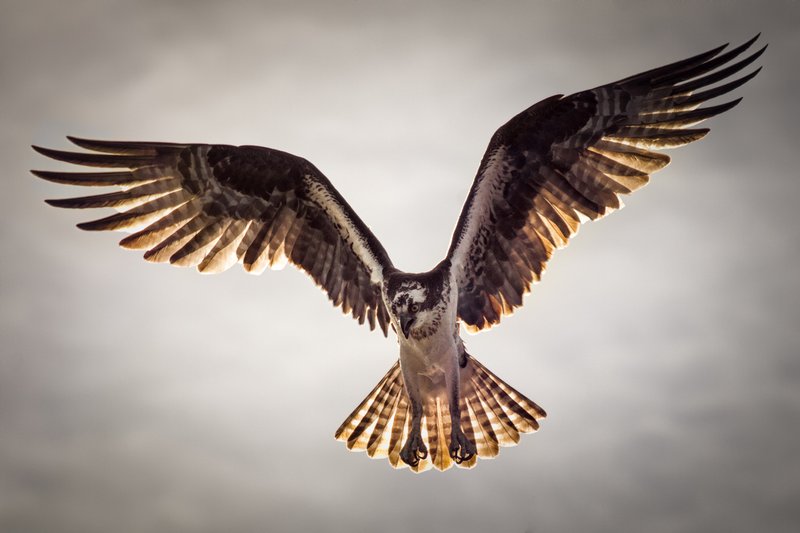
223, 255
493, 415
210, 206
158, 231
126, 199
573, 155
92, 179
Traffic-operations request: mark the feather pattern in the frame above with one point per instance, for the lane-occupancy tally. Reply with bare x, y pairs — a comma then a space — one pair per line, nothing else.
493, 415
559, 163
211, 206
567, 159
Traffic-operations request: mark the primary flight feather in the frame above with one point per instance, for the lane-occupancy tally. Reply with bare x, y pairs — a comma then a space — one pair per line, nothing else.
564, 160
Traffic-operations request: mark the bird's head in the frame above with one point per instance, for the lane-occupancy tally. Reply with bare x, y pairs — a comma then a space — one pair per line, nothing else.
416, 304
407, 304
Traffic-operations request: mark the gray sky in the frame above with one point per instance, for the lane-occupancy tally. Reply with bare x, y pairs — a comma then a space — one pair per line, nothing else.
663, 342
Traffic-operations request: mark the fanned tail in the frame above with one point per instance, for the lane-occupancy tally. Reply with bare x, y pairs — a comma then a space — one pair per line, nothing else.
493, 414
378, 425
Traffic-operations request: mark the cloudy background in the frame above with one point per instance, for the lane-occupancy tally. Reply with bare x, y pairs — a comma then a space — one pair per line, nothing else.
664, 343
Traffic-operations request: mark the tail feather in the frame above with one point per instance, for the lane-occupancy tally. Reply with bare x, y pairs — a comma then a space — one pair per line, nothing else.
504, 430
437, 418
493, 414
378, 444
399, 429
445, 429
469, 432
487, 442
524, 412
366, 413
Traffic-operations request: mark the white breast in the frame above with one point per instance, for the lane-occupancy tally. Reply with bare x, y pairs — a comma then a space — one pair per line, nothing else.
432, 356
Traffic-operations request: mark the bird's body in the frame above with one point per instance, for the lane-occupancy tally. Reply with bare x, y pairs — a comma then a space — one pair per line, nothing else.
423, 308
559, 163
429, 348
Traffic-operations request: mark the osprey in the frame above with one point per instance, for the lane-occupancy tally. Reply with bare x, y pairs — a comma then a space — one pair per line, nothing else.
562, 161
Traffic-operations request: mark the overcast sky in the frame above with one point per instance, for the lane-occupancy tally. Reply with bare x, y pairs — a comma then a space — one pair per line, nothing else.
663, 342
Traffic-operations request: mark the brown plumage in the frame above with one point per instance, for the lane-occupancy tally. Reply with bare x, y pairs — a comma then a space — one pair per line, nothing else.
559, 163
567, 159
493, 414
211, 206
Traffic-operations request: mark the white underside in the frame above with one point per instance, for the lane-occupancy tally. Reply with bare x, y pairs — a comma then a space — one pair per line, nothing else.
427, 363
430, 363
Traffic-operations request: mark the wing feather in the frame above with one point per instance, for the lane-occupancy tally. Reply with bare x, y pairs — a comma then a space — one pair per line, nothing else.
223, 255
211, 206
567, 159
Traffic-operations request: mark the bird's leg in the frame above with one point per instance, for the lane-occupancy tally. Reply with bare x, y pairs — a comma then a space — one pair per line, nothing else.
414, 449
461, 448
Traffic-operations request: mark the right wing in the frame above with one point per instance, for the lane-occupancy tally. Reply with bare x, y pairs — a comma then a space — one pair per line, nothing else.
211, 206
569, 159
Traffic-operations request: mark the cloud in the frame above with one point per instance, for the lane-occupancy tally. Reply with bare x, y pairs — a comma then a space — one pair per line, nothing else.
662, 342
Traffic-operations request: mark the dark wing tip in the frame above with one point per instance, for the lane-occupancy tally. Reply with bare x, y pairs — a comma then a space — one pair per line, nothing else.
44, 151
83, 143
753, 74
97, 145
58, 155
751, 41
133, 148
93, 225
42, 174
55, 203
94, 159
760, 51
731, 104
84, 202
747, 45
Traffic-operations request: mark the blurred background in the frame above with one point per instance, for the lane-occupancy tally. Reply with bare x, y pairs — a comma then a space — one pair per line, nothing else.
663, 342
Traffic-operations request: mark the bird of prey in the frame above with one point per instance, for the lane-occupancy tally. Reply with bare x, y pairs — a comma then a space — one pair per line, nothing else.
555, 165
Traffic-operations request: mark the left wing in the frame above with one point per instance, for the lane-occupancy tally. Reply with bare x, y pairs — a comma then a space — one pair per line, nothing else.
565, 159
211, 206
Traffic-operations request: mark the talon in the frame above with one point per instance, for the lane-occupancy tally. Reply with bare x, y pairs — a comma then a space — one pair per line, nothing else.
454, 454
461, 448
414, 450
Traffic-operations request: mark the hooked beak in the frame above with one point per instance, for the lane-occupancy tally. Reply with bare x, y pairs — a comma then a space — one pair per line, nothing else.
405, 324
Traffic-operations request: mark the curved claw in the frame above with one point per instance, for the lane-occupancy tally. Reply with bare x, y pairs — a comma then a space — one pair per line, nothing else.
414, 450
460, 457
461, 448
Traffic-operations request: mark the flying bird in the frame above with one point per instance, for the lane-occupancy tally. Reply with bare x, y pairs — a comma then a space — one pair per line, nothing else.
555, 165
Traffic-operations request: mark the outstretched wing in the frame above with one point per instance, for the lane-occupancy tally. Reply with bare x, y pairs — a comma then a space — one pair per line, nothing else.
211, 206
568, 159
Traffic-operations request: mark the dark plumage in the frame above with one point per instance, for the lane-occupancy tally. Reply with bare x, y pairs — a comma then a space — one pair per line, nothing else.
568, 158
559, 163
213, 205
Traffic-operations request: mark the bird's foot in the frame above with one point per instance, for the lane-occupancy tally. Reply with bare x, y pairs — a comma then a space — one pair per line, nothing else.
414, 449
461, 448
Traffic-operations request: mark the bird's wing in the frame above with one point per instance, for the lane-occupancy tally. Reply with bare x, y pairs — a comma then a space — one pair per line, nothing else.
568, 159
211, 206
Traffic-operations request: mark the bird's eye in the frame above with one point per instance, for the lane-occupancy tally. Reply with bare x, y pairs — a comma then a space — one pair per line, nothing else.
414, 308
